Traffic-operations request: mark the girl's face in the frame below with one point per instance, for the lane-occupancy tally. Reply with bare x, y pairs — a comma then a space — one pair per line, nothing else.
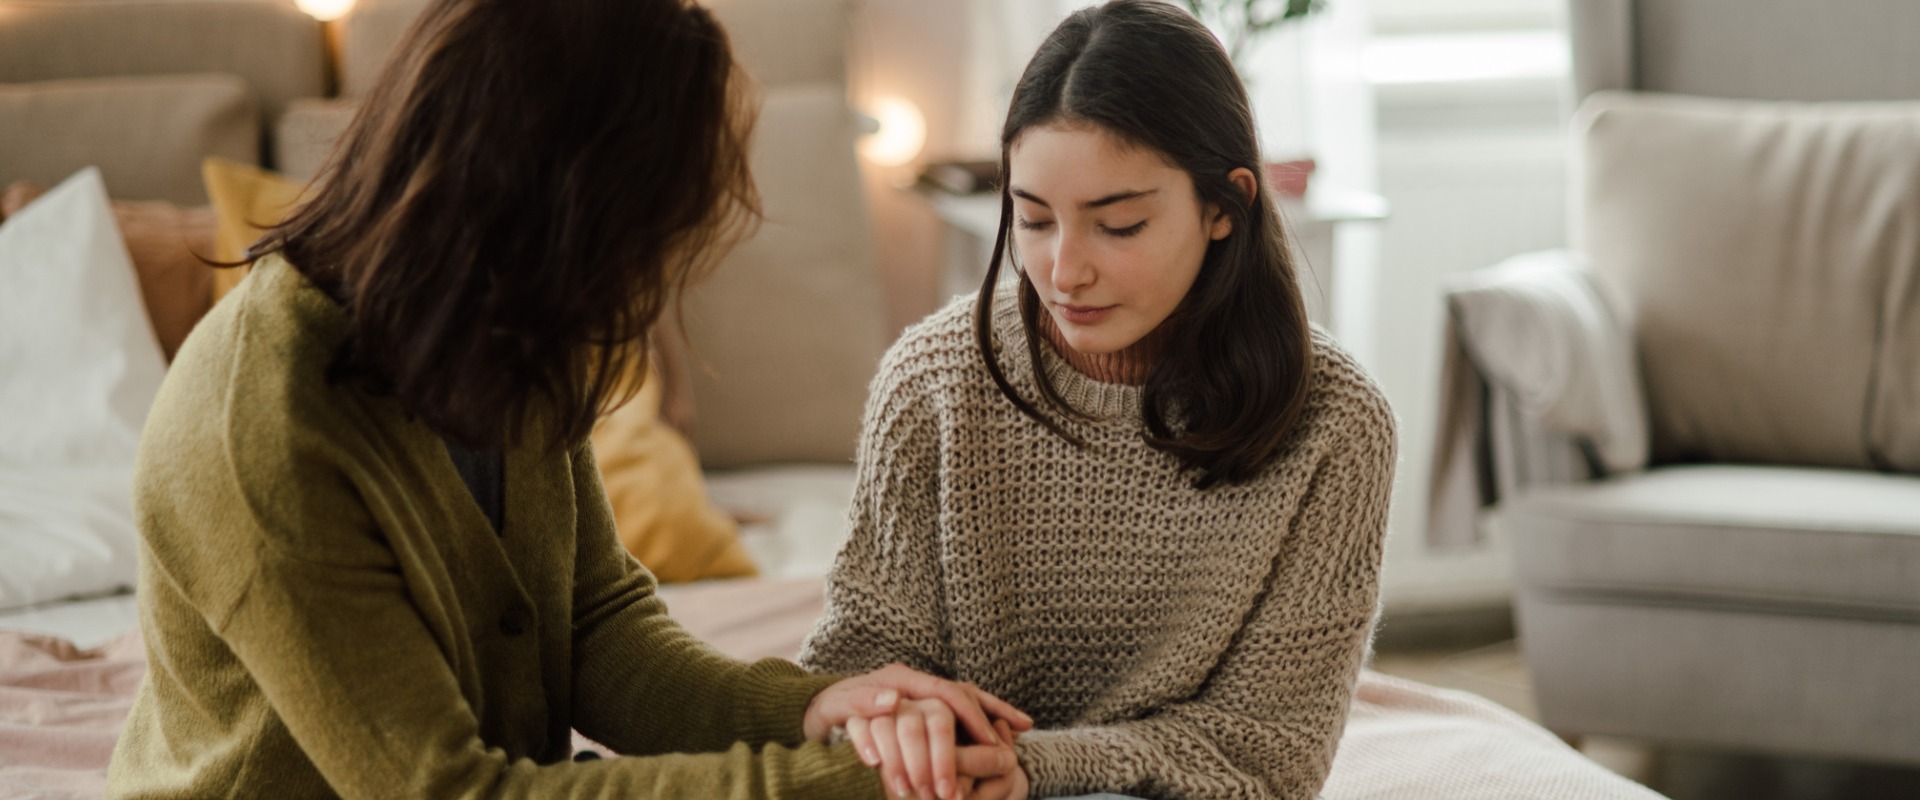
1110, 235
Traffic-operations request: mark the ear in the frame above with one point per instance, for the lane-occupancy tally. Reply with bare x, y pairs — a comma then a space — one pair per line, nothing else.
1222, 225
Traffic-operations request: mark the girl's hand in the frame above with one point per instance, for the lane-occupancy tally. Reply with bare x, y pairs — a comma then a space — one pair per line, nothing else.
879, 692
913, 749
918, 758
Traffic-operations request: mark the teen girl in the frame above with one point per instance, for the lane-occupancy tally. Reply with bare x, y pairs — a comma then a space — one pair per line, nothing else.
377, 559
1132, 493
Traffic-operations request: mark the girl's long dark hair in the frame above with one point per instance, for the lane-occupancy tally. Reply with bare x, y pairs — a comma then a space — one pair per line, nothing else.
1232, 378
529, 185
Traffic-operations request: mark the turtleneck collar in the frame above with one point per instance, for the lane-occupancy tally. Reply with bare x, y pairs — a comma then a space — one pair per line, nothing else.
1099, 399
1128, 367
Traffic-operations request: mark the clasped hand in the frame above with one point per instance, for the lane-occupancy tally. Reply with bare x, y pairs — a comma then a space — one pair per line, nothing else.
931, 739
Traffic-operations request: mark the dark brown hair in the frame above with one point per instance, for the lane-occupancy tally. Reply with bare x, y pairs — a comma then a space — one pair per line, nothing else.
529, 185
1232, 378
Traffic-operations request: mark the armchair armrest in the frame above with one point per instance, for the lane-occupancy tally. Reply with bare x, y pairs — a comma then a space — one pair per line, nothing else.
1540, 384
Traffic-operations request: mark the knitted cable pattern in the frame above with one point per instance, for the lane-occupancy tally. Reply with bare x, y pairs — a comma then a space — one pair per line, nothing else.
1169, 642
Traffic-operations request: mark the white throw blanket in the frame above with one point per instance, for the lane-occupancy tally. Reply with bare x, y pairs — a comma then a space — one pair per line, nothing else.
1534, 338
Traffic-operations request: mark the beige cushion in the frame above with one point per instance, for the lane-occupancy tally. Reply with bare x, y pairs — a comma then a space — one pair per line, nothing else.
276, 49
1893, 423
1793, 540
789, 42
304, 136
782, 42
146, 134
1755, 49
790, 326
1757, 244
368, 34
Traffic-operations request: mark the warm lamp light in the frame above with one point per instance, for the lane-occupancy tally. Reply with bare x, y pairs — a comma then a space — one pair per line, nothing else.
325, 10
901, 133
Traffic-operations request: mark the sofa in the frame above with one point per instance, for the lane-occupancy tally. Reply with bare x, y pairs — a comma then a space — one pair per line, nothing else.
1700, 426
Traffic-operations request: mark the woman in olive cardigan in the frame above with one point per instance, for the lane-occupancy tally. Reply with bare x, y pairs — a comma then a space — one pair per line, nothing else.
377, 559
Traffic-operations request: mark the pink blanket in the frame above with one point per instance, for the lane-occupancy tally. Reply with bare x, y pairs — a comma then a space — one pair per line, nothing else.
61, 709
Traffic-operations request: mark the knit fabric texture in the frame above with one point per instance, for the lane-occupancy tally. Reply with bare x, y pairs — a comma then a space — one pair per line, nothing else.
1170, 642
328, 613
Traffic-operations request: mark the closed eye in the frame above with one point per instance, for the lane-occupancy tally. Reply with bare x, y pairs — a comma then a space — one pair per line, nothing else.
1126, 231
1032, 225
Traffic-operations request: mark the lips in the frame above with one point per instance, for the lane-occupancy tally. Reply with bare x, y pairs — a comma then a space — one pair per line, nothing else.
1083, 315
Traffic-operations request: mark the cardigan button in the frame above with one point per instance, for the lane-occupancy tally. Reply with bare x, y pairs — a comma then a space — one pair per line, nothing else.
513, 623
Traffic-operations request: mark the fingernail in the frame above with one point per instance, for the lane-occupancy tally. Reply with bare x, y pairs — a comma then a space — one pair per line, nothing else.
946, 790
887, 697
1006, 762
871, 758
900, 788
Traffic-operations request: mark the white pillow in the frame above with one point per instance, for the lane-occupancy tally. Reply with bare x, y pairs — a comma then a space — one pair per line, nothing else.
79, 367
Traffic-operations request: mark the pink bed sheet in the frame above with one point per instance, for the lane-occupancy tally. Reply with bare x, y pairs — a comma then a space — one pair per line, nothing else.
61, 708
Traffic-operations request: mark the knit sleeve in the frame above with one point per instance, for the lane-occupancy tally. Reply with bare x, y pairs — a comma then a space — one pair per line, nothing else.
340, 651
1267, 721
882, 595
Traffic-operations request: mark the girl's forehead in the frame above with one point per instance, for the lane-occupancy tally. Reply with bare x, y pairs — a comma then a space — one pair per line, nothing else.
1082, 138
1085, 155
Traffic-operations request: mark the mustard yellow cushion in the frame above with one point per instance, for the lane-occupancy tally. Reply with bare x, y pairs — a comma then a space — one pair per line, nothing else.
659, 497
247, 200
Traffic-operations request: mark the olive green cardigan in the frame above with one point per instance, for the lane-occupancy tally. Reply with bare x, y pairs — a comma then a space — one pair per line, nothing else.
329, 613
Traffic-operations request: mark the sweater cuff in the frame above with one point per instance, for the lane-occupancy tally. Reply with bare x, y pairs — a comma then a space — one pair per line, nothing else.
772, 700
1059, 764
839, 775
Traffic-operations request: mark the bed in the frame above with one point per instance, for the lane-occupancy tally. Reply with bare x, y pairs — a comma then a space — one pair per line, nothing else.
62, 700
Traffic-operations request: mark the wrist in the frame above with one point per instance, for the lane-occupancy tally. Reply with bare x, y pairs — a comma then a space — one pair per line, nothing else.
776, 708
813, 722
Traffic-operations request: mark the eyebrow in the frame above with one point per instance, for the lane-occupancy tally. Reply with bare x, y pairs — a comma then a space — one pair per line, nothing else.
1116, 197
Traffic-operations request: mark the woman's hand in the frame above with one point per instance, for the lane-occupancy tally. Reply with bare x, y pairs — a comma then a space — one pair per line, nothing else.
878, 693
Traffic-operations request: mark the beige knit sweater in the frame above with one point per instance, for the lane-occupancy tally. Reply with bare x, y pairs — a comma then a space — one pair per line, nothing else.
1169, 642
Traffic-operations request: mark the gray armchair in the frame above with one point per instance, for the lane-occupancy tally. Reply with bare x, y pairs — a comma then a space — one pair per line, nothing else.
1730, 555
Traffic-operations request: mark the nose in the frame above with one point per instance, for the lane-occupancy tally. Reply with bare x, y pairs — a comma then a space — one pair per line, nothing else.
1072, 269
